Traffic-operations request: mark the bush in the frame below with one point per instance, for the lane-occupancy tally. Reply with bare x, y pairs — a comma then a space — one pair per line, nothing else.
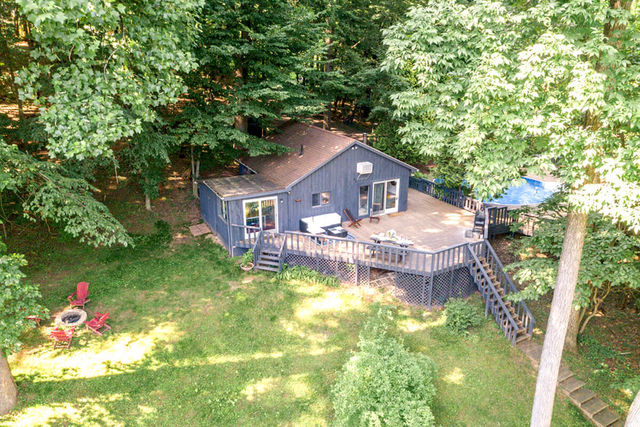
307, 275
461, 316
383, 383
247, 258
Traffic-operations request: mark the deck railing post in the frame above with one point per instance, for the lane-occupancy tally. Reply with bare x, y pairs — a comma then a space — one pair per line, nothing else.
429, 302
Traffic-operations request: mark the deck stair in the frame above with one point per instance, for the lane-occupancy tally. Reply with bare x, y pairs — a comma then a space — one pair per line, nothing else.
514, 318
268, 260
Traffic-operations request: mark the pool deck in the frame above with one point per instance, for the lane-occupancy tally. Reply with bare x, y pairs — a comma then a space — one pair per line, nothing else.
428, 222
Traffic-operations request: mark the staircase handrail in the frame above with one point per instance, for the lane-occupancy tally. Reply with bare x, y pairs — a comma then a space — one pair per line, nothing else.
513, 290
282, 245
257, 249
497, 297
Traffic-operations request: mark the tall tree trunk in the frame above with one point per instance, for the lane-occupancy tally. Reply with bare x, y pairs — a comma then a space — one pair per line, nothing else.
147, 203
8, 389
633, 418
328, 66
561, 307
241, 122
571, 340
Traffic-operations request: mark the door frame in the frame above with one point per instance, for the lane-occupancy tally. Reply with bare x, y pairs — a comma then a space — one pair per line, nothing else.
369, 189
260, 200
385, 210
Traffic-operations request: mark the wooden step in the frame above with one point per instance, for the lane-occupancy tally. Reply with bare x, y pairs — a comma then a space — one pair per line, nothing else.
262, 267
268, 263
606, 417
522, 338
593, 406
571, 384
270, 257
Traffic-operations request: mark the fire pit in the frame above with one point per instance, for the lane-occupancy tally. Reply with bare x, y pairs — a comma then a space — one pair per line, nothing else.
71, 317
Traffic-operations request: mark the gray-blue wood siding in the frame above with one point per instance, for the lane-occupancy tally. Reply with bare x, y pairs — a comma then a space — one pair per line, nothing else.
210, 212
339, 176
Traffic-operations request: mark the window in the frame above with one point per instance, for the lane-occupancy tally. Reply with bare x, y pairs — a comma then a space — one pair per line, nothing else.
320, 199
223, 209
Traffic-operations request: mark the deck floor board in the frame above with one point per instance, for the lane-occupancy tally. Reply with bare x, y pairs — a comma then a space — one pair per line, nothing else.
428, 222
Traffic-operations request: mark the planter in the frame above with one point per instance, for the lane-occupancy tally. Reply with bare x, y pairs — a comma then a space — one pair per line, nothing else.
247, 267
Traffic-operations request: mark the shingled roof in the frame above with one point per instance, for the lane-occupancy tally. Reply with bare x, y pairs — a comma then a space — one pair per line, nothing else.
319, 145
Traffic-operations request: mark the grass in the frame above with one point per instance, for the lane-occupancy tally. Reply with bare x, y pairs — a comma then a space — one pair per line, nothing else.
197, 340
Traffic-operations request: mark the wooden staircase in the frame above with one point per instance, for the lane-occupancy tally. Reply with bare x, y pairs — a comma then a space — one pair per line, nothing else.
514, 318
521, 333
268, 260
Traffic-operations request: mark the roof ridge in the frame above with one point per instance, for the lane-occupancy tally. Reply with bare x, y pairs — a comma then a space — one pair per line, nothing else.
328, 131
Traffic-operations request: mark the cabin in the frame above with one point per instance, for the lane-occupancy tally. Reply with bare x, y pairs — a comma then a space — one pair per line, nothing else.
289, 210
321, 174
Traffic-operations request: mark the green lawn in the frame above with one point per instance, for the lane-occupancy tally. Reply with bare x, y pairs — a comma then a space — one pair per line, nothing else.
196, 341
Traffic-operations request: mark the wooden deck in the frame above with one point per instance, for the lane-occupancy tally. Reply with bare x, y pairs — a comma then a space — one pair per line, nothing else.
428, 222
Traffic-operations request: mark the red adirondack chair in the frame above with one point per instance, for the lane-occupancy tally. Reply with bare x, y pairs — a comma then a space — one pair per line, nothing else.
97, 323
62, 338
81, 296
36, 319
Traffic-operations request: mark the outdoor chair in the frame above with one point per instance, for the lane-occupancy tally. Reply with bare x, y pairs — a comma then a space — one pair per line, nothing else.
62, 337
353, 222
478, 222
35, 318
81, 296
97, 323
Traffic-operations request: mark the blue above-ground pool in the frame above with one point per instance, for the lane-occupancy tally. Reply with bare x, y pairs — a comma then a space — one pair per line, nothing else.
530, 192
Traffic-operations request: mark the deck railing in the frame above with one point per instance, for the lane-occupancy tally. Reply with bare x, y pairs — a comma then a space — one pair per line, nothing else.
499, 219
400, 259
243, 236
448, 195
495, 305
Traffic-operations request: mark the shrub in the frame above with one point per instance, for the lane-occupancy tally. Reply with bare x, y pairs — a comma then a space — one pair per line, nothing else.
307, 275
461, 315
383, 383
247, 258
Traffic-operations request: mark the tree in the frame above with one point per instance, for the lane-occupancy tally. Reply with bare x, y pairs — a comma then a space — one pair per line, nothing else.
17, 300
252, 56
609, 262
549, 86
98, 76
633, 418
147, 155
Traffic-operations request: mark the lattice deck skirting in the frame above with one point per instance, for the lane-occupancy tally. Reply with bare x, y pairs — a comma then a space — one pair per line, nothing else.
413, 289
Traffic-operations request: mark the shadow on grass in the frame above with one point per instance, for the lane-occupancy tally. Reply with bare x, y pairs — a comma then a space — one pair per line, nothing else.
199, 346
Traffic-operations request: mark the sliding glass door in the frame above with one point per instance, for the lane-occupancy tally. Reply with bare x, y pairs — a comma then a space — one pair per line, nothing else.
385, 197
261, 213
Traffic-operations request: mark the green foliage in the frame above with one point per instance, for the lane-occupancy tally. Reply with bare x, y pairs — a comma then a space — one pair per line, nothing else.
308, 275
388, 141
252, 57
461, 315
506, 86
247, 258
98, 76
18, 299
383, 383
49, 192
610, 258
147, 155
